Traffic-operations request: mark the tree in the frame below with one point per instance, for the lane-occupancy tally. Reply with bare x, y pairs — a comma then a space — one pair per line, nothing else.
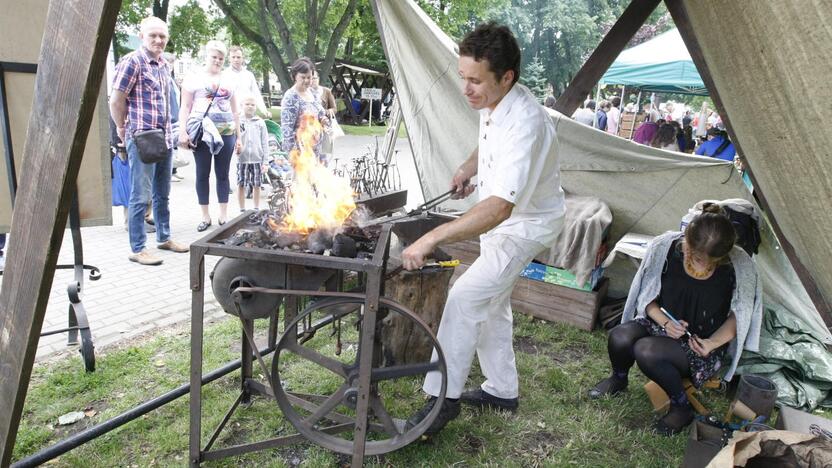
191, 26
315, 28
534, 77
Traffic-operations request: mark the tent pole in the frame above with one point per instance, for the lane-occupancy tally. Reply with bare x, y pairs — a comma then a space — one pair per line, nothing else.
597, 105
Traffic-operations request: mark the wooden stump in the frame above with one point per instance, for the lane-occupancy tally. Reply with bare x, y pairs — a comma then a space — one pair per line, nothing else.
423, 292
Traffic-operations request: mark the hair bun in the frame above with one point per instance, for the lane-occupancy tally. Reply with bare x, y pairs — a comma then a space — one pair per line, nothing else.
714, 208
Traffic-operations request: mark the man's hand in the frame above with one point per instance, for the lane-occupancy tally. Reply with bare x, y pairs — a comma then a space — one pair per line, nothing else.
239, 146
675, 331
701, 346
415, 256
461, 183
185, 141
121, 134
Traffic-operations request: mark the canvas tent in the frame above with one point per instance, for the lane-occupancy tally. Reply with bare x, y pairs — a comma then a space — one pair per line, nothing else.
660, 65
647, 189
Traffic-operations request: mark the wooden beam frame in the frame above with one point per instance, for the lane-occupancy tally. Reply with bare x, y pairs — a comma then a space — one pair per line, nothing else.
72, 60
605, 54
680, 18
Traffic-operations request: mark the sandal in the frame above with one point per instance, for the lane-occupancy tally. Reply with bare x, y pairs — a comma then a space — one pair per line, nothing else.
203, 226
220, 222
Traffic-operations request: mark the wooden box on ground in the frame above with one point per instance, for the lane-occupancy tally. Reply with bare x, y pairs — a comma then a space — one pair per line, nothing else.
538, 299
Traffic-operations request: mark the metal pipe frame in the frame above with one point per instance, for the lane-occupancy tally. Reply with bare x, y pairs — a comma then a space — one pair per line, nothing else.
373, 270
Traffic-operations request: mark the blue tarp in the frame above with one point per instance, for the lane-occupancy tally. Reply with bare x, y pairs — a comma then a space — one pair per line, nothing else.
660, 65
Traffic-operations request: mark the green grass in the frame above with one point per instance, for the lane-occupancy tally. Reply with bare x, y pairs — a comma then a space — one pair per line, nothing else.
365, 130
555, 426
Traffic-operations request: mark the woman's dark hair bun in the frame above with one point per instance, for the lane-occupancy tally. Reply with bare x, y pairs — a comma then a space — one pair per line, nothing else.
714, 208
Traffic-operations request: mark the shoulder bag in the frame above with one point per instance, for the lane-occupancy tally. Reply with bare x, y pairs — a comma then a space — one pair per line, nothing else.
151, 144
199, 129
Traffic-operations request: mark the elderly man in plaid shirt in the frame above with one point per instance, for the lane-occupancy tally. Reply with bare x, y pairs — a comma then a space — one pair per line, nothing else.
140, 101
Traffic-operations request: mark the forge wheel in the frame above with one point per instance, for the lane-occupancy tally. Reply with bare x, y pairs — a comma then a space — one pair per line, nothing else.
305, 363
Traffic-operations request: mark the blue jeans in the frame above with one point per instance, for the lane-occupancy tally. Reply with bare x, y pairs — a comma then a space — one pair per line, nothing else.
142, 177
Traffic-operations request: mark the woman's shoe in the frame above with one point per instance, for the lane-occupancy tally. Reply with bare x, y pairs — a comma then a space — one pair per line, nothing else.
674, 422
609, 386
220, 222
203, 226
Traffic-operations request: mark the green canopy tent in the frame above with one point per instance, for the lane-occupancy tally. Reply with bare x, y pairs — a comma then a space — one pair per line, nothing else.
660, 65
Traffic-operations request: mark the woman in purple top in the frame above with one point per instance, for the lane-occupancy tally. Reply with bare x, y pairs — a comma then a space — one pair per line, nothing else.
297, 101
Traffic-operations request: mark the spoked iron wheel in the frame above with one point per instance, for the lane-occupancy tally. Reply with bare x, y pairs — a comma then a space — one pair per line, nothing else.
319, 353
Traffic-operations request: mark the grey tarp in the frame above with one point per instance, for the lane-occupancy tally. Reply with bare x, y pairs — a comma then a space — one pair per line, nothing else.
647, 189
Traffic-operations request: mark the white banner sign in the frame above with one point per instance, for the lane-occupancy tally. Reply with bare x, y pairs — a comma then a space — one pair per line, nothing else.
371, 93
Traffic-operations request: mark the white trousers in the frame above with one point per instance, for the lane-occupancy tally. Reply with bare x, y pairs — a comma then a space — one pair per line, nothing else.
477, 317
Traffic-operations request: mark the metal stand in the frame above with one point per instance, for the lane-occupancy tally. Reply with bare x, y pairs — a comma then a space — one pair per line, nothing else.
316, 417
77, 315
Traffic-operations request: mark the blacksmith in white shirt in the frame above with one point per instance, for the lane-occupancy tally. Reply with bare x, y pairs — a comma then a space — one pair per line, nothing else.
520, 212
246, 84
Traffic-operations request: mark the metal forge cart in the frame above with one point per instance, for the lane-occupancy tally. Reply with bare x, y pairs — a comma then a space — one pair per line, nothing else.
355, 419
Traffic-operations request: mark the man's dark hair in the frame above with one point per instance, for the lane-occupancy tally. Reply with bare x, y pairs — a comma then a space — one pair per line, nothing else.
616, 101
495, 43
590, 104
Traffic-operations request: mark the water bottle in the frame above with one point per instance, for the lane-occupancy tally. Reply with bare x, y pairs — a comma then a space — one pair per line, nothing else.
686, 219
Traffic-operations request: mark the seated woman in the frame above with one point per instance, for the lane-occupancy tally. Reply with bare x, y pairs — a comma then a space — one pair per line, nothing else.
714, 292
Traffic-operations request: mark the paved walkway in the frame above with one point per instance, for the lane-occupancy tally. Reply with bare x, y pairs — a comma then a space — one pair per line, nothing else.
130, 299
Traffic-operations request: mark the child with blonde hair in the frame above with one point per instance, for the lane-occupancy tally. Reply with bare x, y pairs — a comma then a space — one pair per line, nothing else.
253, 154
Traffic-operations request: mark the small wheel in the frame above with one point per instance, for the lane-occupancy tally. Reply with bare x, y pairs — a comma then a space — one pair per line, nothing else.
315, 378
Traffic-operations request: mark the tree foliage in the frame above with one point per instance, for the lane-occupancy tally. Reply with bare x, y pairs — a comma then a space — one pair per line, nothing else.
534, 77
191, 26
286, 30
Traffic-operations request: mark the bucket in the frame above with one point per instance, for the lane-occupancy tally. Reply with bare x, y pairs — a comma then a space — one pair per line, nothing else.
757, 393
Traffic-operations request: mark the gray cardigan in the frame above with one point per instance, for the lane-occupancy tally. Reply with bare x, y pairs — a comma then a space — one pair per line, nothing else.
746, 303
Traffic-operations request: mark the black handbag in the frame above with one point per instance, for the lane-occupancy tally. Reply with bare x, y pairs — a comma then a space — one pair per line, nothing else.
151, 145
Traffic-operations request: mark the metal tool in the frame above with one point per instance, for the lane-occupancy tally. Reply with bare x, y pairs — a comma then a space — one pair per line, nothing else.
416, 211
445, 264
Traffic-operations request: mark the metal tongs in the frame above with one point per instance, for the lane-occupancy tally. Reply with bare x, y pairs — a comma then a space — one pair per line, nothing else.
414, 212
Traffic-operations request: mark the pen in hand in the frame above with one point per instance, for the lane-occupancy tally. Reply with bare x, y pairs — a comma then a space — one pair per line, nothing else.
673, 319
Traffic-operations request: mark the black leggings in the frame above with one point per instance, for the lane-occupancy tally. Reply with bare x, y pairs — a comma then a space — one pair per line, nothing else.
222, 164
660, 358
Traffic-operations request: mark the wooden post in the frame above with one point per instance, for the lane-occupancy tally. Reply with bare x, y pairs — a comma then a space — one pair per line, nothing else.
71, 66
602, 57
680, 18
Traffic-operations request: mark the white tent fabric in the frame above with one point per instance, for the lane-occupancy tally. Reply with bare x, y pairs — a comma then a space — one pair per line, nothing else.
647, 189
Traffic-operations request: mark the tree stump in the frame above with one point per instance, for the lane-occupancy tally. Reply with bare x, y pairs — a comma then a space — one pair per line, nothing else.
424, 292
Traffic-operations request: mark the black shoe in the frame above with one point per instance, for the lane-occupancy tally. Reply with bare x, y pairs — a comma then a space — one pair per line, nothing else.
675, 421
482, 399
203, 226
449, 411
610, 386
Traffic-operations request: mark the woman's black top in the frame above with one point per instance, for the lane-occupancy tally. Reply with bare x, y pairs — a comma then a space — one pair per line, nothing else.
703, 304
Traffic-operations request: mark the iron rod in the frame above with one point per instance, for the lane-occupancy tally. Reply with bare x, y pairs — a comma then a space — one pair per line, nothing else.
98, 430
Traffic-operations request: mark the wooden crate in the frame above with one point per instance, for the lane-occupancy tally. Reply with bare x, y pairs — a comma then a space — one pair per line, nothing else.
541, 300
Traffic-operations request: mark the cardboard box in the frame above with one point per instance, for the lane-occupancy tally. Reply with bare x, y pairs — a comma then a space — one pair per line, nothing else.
704, 442
552, 275
790, 419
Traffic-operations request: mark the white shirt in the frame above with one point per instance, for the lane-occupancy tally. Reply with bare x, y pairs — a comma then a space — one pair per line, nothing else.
518, 162
613, 117
585, 116
245, 84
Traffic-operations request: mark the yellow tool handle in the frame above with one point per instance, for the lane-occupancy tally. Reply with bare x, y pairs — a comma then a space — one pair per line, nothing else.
449, 263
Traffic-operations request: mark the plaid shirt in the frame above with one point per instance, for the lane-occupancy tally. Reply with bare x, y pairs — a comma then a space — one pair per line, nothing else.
146, 82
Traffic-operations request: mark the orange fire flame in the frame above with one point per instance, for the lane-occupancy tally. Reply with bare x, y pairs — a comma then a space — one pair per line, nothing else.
318, 198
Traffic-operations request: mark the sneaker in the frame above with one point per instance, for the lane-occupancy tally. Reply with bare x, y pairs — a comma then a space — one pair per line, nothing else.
2, 262
610, 386
177, 177
482, 399
145, 258
173, 246
173, 178
149, 228
448, 412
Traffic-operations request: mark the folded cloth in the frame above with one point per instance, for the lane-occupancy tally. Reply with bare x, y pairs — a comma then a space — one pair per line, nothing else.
210, 135
576, 247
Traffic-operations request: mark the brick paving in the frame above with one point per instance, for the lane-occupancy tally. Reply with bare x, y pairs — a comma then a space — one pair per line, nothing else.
130, 299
